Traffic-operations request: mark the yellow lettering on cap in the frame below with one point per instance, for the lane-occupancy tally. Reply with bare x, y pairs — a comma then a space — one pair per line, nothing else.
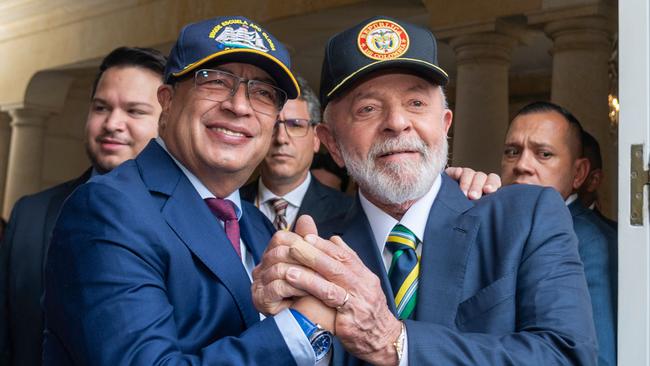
215, 30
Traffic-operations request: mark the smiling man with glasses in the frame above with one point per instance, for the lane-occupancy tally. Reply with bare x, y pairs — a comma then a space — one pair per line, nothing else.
151, 263
286, 189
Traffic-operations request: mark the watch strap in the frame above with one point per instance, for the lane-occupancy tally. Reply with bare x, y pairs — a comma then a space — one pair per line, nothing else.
307, 326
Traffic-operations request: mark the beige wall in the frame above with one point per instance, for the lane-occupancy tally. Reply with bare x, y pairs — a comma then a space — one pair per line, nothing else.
64, 154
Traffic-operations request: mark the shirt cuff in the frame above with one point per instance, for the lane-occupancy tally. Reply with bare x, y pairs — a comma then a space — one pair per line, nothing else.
405, 354
295, 338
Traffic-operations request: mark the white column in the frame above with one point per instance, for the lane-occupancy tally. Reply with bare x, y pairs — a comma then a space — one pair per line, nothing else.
581, 51
5, 136
25, 154
481, 111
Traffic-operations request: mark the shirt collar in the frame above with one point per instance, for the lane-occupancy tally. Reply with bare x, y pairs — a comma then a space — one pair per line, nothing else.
294, 197
415, 219
201, 189
570, 199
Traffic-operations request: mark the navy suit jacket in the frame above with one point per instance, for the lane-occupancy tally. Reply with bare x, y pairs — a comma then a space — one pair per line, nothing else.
599, 252
141, 273
501, 282
321, 202
22, 259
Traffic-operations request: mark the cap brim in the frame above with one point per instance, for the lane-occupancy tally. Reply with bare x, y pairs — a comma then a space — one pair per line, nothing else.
424, 69
274, 67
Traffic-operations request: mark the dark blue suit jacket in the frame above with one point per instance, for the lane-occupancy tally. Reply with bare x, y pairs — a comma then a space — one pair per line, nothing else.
599, 252
501, 282
321, 202
22, 259
141, 273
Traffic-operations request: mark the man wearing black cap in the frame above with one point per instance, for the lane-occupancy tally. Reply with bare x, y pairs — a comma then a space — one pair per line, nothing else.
151, 263
417, 273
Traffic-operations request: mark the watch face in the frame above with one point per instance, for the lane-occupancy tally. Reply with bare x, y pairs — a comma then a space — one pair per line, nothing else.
322, 343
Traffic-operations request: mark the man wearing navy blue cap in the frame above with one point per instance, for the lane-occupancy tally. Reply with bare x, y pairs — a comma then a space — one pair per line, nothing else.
151, 263
417, 273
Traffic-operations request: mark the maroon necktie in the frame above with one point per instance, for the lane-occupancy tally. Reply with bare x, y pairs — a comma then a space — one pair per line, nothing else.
224, 210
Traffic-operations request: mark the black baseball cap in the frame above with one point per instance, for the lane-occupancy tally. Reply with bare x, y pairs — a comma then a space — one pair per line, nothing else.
375, 44
231, 39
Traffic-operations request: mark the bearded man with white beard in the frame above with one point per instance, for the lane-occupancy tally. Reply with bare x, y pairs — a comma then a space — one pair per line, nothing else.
416, 273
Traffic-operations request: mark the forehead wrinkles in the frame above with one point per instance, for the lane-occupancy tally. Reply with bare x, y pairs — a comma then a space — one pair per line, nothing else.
381, 90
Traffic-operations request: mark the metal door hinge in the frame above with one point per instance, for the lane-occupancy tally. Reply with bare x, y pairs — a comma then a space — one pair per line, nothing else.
639, 177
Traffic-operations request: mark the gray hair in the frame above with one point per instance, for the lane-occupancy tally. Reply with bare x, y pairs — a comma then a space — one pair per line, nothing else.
309, 96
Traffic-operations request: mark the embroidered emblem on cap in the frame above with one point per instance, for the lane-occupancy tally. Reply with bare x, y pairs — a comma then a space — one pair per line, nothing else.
383, 40
237, 33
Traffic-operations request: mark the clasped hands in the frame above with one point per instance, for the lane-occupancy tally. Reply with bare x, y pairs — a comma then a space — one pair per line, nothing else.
328, 283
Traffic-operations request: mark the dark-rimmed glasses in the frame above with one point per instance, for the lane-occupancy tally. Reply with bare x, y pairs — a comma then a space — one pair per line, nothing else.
294, 127
219, 86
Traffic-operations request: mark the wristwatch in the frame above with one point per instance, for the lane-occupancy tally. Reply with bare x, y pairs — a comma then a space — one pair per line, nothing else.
320, 339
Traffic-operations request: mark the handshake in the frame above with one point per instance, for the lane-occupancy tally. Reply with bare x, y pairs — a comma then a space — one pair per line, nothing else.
327, 282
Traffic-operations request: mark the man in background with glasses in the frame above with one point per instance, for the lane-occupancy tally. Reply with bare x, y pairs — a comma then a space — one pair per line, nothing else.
151, 263
285, 189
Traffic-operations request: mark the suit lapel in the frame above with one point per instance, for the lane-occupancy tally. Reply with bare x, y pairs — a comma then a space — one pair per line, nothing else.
448, 238
253, 233
190, 218
312, 198
357, 234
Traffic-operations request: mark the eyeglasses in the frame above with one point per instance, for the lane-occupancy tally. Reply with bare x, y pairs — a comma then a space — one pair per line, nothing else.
294, 127
219, 86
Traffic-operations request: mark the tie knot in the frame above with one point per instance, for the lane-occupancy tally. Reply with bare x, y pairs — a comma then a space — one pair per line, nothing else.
401, 238
223, 209
279, 205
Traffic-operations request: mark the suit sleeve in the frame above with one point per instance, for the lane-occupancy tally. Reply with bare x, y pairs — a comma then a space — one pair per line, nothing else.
5, 252
553, 316
594, 252
106, 298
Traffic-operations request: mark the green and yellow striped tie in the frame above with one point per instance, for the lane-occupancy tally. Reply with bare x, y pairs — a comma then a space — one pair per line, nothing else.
404, 269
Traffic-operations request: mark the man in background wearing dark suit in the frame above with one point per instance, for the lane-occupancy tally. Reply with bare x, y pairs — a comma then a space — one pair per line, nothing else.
286, 189
122, 118
543, 146
588, 191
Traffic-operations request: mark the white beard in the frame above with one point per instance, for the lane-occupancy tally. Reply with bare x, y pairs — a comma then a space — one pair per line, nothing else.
397, 183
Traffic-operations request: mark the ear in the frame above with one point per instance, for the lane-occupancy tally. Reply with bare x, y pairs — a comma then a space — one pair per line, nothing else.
581, 167
326, 137
594, 180
447, 117
316, 143
165, 94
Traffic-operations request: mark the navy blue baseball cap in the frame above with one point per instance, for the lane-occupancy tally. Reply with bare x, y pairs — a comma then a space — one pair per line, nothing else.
375, 44
231, 39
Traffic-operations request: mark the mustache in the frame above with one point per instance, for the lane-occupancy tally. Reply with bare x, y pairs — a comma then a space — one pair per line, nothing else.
113, 137
393, 145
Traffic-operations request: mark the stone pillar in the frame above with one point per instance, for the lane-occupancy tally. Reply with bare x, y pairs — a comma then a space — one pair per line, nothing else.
5, 136
481, 111
25, 154
581, 51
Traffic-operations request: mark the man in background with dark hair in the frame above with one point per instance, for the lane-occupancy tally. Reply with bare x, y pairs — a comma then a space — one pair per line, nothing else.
588, 191
122, 118
286, 189
544, 147
324, 168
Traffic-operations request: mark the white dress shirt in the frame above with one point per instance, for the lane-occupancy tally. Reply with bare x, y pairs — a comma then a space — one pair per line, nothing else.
415, 219
569, 200
294, 199
294, 337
